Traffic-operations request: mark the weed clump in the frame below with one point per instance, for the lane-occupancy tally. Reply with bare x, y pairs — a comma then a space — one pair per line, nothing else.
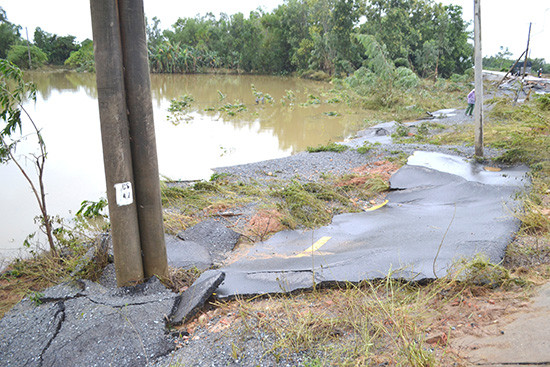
305, 206
543, 102
365, 148
480, 271
331, 147
205, 186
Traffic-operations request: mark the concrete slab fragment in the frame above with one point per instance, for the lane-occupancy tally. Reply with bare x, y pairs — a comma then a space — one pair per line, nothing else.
194, 297
521, 339
380, 133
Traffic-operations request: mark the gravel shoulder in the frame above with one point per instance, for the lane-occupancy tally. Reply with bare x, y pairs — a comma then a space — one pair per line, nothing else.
307, 167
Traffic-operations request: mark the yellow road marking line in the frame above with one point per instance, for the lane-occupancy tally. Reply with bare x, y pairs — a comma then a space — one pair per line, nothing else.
376, 206
316, 246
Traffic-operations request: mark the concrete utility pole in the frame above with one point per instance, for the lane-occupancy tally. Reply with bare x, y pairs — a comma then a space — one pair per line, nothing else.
127, 129
142, 132
478, 108
28, 48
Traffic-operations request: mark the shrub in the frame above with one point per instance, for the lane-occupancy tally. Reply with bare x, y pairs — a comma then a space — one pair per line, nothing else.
83, 59
19, 55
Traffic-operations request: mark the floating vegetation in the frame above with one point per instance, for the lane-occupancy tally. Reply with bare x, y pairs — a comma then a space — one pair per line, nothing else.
334, 100
232, 108
179, 109
261, 97
289, 97
311, 100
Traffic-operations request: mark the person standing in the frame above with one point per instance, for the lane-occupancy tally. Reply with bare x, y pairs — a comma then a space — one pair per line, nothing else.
471, 102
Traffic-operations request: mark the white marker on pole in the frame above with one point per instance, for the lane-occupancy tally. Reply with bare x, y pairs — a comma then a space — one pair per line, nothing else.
124, 195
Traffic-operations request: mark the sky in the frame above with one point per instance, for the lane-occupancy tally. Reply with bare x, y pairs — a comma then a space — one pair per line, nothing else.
504, 22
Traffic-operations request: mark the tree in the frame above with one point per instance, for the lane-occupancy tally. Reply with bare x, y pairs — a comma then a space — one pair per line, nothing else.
381, 80
302, 35
539, 63
9, 34
343, 21
275, 57
19, 55
250, 37
294, 16
501, 61
58, 48
83, 59
13, 92
430, 37
154, 33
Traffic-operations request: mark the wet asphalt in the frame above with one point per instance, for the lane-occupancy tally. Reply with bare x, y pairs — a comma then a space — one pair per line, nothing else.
441, 209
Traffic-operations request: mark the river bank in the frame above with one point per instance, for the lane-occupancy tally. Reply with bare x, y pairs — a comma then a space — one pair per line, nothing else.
329, 326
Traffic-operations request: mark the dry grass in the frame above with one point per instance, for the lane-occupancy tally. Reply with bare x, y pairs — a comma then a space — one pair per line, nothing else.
382, 322
24, 277
178, 280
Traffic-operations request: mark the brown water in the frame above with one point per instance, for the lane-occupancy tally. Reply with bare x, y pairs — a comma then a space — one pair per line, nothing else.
66, 109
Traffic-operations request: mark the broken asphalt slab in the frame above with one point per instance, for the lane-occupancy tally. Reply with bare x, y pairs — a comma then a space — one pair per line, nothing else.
195, 296
85, 324
214, 236
441, 209
197, 247
187, 254
383, 133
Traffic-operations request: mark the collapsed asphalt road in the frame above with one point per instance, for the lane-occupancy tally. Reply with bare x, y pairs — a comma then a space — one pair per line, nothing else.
441, 209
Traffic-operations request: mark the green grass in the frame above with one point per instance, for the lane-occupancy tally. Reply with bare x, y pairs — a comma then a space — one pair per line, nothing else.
300, 205
522, 131
365, 148
331, 147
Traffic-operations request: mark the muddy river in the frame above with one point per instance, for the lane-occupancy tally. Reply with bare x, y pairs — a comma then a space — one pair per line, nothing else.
230, 120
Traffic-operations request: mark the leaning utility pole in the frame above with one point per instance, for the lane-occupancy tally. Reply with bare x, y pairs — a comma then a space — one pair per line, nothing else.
478, 108
127, 133
526, 54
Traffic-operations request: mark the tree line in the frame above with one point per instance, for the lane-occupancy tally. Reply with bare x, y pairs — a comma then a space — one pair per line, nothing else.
47, 48
502, 61
314, 38
317, 35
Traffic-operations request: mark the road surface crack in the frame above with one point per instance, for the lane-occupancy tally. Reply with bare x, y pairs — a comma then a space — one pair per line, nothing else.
59, 317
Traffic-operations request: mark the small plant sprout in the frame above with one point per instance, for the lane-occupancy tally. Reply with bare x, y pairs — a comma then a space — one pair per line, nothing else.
36, 297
